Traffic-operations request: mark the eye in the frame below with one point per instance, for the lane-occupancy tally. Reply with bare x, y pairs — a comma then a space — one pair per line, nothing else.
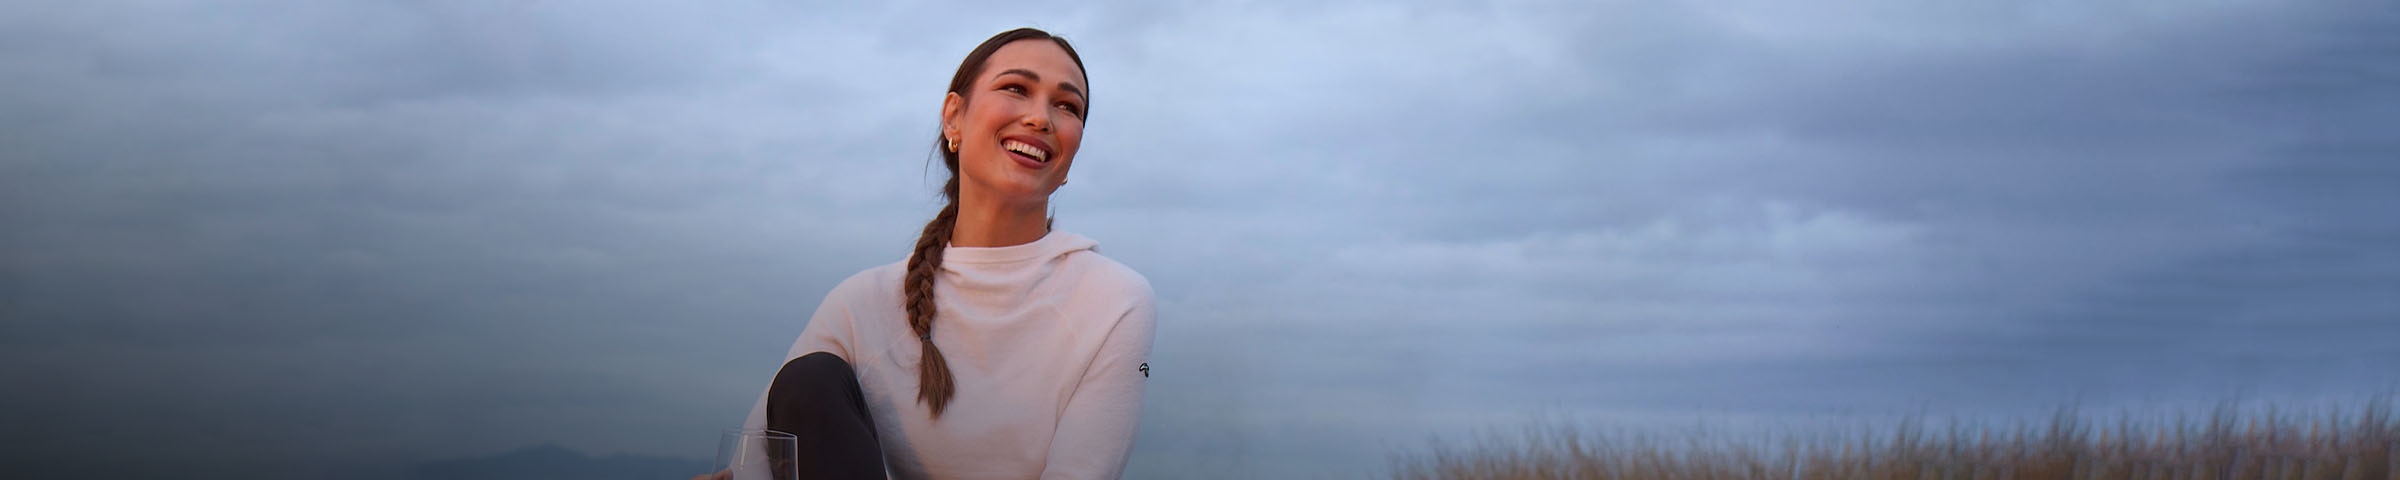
1013, 88
1071, 108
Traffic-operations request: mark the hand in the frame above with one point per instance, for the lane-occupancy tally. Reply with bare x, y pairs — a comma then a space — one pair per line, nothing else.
720, 475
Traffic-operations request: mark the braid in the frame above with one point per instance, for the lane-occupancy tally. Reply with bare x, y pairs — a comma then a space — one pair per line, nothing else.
934, 383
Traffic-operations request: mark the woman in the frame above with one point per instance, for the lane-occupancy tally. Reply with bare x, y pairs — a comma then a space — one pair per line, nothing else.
999, 348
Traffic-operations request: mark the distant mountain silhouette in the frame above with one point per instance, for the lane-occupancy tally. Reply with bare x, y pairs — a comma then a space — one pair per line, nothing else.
547, 462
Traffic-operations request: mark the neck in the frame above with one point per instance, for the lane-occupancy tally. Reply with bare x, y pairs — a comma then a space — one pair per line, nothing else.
997, 224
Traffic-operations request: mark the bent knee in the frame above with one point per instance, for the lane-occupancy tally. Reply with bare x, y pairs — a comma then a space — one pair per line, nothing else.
814, 368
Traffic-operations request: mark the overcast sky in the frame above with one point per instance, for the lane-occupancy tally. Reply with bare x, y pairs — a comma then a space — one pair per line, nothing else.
261, 239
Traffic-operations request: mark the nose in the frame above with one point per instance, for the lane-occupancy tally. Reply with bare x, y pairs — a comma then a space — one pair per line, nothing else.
1039, 122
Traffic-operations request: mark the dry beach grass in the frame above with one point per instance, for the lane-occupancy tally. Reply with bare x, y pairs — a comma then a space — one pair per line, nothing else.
2361, 443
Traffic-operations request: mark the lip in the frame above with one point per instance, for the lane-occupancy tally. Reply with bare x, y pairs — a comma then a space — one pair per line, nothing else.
1027, 161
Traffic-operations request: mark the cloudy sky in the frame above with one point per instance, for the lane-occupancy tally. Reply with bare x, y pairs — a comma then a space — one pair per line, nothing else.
293, 239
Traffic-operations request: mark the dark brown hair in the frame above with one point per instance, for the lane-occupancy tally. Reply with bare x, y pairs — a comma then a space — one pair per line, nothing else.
934, 383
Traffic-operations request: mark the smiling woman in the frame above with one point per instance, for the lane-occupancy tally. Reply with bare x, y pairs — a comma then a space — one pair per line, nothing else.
1047, 340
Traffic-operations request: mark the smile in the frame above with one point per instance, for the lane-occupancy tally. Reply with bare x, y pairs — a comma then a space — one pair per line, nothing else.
1028, 149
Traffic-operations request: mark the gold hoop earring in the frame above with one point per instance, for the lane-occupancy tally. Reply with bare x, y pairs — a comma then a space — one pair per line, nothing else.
953, 144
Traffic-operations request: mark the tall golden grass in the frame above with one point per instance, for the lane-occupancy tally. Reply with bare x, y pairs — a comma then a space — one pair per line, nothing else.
2346, 444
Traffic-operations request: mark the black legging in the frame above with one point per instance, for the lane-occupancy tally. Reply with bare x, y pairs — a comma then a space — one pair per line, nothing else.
816, 397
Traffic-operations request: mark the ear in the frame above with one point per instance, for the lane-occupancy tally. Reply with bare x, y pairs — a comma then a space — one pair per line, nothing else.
952, 107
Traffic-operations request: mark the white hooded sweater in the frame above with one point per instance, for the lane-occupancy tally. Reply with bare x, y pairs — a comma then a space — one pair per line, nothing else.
1048, 344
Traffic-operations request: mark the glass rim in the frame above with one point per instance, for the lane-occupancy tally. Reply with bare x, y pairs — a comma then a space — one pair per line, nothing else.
757, 432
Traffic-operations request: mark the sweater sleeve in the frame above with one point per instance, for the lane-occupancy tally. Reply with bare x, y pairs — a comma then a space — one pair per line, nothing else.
1095, 431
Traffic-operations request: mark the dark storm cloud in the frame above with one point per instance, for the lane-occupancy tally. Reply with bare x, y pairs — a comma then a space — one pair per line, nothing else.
2055, 213
326, 237
335, 237
2311, 286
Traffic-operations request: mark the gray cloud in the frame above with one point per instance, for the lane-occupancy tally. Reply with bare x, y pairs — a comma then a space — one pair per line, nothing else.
335, 238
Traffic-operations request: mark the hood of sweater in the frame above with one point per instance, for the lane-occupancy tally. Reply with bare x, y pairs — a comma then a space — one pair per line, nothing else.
1000, 281
1051, 247
990, 297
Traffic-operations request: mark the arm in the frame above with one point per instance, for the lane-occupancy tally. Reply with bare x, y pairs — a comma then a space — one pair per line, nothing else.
1095, 432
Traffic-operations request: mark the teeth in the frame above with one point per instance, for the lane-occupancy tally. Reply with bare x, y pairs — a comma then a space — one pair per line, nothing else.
1029, 150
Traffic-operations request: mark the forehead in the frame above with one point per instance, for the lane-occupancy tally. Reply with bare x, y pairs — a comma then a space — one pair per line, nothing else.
1040, 56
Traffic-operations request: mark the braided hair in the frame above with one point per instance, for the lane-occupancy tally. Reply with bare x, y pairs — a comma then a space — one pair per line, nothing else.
935, 385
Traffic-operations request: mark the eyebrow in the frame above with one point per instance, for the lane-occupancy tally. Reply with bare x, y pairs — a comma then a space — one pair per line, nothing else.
1037, 78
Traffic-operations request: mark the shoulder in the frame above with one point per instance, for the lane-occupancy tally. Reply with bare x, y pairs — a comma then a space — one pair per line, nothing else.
870, 285
1106, 277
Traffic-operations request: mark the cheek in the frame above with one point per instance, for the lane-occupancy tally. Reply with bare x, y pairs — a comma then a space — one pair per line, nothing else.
990, 116
1071, 138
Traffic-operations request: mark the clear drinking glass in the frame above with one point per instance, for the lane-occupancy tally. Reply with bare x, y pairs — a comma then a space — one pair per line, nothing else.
756, 454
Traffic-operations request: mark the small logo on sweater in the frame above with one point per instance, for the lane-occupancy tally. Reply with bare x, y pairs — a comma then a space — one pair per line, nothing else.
1145, 369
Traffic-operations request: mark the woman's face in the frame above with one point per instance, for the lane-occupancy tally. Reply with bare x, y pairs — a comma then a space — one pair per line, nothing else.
1019, 124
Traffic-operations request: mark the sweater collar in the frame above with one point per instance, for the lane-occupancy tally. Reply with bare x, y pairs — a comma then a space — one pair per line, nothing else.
1051, 245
